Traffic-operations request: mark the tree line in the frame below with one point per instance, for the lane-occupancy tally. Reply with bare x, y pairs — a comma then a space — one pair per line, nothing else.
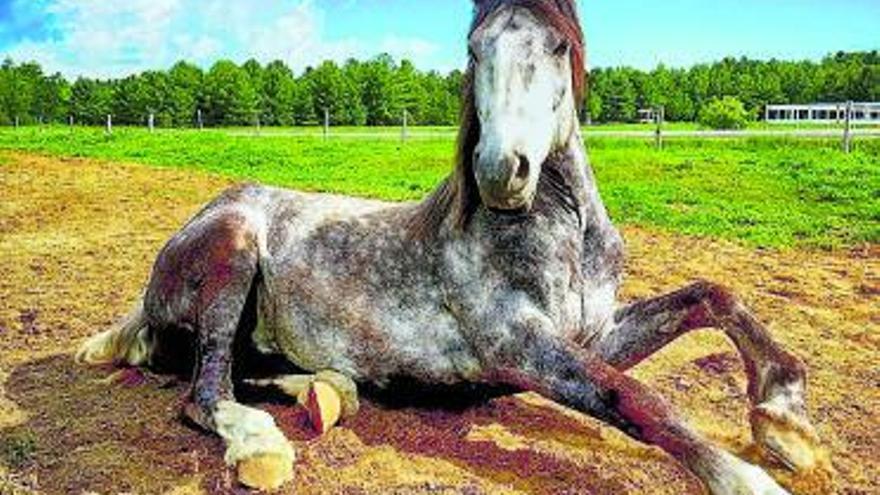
376, 92
380, 90
616, 94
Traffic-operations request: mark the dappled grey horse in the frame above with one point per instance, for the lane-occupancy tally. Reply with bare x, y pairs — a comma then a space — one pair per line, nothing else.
505, 276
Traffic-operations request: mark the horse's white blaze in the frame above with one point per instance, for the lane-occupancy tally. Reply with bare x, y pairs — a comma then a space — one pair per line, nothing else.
524, 100
249, 432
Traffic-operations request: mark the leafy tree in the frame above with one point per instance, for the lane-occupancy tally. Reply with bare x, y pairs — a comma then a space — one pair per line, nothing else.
455, 86
724, 113
333, 92
158, 98
278, 93
352, 76
618, 95
302, 102
129, 101
91, 101
441, 104
18, 89
378, 91
187, 81
230, 96
49, 98
411, 93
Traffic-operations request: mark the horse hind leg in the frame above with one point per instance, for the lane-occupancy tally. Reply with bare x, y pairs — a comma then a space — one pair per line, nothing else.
229, 270
254, 443
777, 378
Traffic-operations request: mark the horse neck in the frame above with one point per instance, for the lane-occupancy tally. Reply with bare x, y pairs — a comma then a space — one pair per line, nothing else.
573, 166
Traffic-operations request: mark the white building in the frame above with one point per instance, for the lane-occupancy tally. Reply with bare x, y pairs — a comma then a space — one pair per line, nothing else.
647, 115
822, 112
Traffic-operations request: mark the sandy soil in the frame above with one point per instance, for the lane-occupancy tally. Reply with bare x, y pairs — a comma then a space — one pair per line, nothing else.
77, 238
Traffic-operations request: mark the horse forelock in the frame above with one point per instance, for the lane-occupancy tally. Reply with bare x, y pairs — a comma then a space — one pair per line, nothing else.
561, 15
459, 196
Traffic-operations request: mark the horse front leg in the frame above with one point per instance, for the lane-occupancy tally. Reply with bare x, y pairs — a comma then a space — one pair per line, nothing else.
529, 357
776, 377
327, 396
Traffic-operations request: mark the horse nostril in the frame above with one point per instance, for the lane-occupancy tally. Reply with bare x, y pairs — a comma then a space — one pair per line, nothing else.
522, 172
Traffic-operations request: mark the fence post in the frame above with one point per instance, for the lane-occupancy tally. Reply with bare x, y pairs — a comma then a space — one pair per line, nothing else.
847, 128
151, 121
109, 124
70, 121
16, 121
403, 130
326, 122
199, 118
659, 115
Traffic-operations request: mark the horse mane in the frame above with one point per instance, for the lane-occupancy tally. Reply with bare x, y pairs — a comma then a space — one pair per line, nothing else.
458, 196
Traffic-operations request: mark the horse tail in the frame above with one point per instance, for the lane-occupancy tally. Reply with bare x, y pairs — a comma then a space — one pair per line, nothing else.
127, 342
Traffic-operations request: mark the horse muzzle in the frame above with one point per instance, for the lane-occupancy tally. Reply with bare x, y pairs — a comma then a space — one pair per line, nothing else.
504, 181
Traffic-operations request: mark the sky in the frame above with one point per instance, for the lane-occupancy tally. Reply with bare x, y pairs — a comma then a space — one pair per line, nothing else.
110, 38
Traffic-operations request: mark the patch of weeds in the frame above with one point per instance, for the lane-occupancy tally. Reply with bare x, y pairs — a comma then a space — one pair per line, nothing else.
680, 167
18, 448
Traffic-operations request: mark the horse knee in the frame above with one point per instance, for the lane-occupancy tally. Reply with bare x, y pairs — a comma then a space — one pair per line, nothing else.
721, 299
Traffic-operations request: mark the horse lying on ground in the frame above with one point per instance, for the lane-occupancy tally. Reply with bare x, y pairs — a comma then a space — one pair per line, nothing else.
506, 275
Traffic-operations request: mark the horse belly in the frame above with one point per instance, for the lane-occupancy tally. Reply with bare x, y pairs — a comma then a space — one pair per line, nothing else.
376, 345
353, 293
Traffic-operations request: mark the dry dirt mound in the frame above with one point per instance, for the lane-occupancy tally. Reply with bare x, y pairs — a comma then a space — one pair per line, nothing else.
77, 239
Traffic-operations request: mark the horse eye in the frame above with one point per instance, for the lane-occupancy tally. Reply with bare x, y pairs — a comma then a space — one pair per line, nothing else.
562, 49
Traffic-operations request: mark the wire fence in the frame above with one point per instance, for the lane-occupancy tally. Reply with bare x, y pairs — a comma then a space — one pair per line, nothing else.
659, 131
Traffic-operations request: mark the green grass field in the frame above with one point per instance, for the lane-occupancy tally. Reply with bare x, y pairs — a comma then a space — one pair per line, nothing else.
773, 192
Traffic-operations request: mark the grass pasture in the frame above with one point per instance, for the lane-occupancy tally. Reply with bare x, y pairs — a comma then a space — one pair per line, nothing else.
764, 191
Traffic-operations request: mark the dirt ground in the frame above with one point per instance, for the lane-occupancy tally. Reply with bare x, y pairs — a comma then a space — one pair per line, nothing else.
77, 239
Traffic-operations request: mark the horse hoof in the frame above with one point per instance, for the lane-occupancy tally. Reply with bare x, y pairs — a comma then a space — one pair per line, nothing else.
741, 478
265, 472
788, 438
323, 404
254, 445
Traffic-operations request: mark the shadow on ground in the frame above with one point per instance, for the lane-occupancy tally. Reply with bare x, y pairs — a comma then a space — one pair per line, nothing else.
83, 434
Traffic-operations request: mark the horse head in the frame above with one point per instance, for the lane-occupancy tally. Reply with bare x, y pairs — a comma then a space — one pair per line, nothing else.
526, 77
